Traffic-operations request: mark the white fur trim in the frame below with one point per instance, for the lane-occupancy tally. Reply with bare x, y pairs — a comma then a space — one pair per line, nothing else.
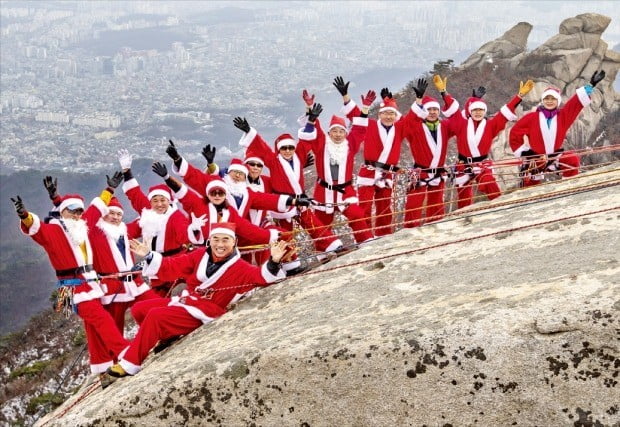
95, 293
432, 104
521, 149
100, 368
304, 136
129, 367
274, 234
101, 206
71, 201
247, 139
334, 245
553, 93
507, 113
35, 227
453, 108
269, 278
181, 170
182, 192
221, 230
282, 207
348, 107
153, 267
254, 159
238, 168
216, 183
159, 192
477, 104
128, 185
286, 142
360, 121
291, 265
351, 200
583, 96
419, 111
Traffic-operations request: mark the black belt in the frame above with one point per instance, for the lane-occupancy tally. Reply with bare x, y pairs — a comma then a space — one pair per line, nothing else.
384, 166
336, 187
465, 159
172, 251
433, 171
75, 271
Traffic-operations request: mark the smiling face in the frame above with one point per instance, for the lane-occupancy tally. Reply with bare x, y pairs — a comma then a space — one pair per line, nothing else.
387, 117
337, 134
287, 151
478, 114
217, 195
237, 176
160, 204
254, 169
222, 245
114, 217
549, 102
74, 214
433, 114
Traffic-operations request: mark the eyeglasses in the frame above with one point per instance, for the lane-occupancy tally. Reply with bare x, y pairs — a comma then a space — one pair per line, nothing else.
78, 211
255, 165
217, 193
287, 148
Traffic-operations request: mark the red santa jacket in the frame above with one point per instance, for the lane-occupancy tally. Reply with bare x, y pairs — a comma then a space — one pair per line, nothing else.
547, 138
64, 255
380, 147
248, 232
207, 297
318, 140
107, 259
475, 141
175, 231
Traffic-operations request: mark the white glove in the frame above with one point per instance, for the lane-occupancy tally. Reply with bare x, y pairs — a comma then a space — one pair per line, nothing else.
198, 222
124, 158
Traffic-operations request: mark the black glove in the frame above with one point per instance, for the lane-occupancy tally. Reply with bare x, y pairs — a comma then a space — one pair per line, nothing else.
160, 169
479, 93
241, 124
19, 207
303, 200
315, 112
528, 153
309, 160
597, 77
51, 185
171, 150
420, 87
341, 86
116, 179
138, 266
208, 153
385, 93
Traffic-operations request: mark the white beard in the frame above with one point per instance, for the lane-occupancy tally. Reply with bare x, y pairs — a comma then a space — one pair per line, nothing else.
77, 230
235, 188
338, 153
112, 231
152, 223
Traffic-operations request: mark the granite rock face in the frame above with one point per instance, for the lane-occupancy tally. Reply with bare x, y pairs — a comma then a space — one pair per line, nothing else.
499, 317
512, 43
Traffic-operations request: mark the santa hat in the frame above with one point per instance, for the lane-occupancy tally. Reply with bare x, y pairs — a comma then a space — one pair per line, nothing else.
160, 190
553, 91
237, 165
251, 157
227, 228
216, 183
284, 140
388, 104
337, 122
72, 202
430, 102
474, 103
115, 205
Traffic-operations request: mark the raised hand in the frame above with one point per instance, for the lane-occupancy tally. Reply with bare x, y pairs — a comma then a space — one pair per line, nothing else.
309, 160
139, 248
19, 207
115, 180
198, 222
479, 93
308, 99
597, 77
315, 112
241, 124
278, 250
160, 169
420, 87
440, 84
341, 86
369, 98
208, 153
51, 185
171, 150
524, 88
124, 158
385, 93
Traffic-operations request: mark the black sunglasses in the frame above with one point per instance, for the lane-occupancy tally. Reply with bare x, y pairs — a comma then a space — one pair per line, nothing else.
288, 148
216, 193
256, 165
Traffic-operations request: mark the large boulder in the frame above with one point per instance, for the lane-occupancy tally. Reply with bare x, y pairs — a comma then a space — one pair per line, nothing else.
511, 43
497, 317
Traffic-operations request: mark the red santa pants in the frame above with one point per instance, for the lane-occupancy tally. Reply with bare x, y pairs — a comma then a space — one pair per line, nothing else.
568, 163
321, 234
382, 199
415, 204
103, 338
117, 309
356, 220
157, 322
486, 185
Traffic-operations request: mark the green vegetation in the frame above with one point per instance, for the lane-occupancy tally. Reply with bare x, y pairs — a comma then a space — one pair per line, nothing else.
43, 400
31, 370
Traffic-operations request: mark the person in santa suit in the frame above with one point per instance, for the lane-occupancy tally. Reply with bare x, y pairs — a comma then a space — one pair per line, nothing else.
428, 141
163, 226
382, 145
65, 240
111, 255
287, 177
215, 207
216, 277
335, 152
474, 138
538, 136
